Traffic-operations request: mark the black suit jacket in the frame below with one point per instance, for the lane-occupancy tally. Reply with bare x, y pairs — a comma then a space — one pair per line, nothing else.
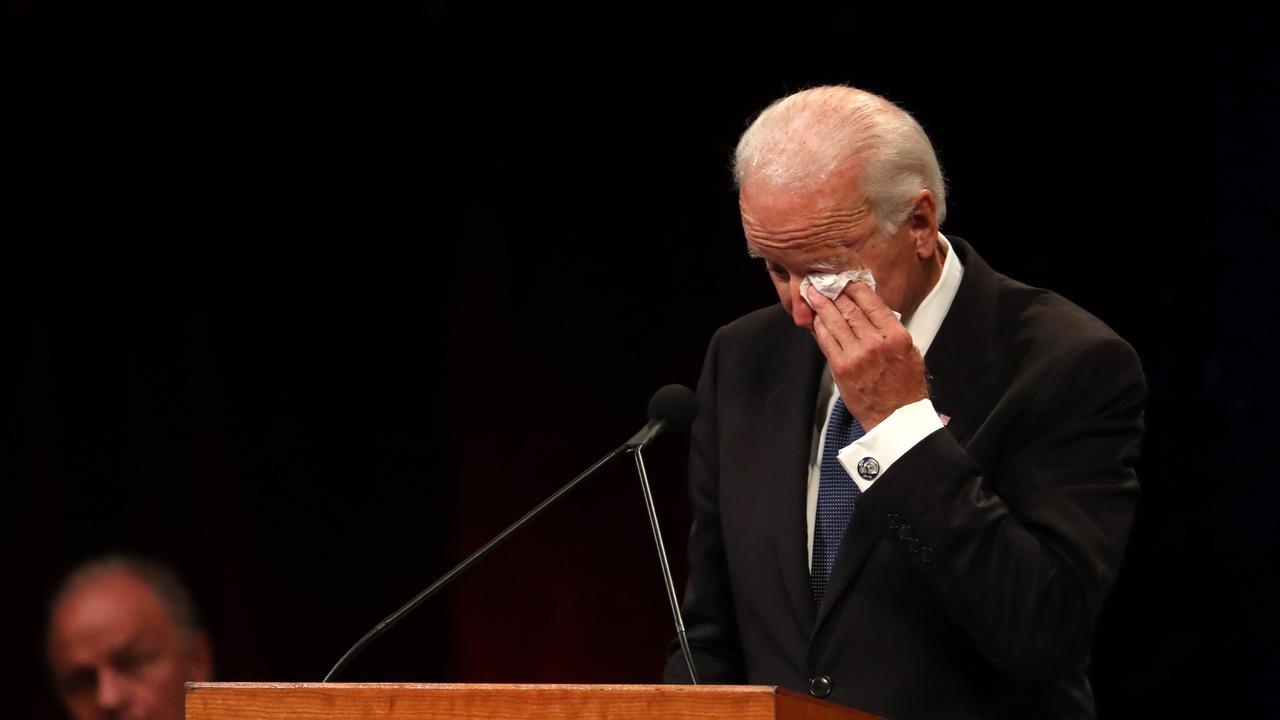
971, 576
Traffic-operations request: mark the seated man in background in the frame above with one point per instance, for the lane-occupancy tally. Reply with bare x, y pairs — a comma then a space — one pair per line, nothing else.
123, 637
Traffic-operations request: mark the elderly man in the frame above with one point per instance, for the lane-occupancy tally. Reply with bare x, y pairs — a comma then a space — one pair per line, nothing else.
123, 637
912, 482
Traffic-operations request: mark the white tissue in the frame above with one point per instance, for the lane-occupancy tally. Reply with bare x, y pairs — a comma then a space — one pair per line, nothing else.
832, 284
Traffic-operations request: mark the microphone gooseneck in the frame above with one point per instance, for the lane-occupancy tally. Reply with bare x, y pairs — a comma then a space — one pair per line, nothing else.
681, 636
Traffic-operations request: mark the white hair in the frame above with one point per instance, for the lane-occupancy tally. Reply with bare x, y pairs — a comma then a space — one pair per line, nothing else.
803, 139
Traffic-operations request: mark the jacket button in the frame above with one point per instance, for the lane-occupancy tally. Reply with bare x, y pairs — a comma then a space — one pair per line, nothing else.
904, 531
913, 545
894, 520
926, 555
820, 686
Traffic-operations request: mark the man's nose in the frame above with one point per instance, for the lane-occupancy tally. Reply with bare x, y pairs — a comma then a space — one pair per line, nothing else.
801, 313
112, 690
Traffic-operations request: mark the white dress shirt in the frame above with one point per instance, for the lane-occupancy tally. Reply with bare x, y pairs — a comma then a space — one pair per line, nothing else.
907, 425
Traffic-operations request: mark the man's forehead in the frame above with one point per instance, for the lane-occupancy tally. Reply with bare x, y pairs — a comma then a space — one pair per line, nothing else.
107, 612
804, 223
773, 202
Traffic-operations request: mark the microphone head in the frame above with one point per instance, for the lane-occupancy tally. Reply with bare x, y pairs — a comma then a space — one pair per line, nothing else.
676, 405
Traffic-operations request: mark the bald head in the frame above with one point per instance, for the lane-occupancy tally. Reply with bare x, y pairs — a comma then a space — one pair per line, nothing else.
118, 649
835, 134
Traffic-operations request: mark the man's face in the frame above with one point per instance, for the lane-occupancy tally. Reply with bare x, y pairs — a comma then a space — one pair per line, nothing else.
825, 230
116, 652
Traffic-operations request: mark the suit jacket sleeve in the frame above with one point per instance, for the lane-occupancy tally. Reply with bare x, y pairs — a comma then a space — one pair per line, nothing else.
1021, 553
708, 605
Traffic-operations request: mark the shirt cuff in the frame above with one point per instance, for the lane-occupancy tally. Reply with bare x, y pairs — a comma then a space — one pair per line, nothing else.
868, 457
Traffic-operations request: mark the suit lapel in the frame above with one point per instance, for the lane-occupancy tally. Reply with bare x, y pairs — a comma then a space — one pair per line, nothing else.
956, 357
962, 351
791, 409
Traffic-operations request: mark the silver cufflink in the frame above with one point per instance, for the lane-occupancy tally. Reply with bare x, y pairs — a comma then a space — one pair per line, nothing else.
868, 468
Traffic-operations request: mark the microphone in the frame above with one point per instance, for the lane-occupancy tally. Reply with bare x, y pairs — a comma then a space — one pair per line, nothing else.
673, 406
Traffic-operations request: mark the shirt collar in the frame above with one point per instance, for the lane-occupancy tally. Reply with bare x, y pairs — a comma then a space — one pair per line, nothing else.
927, 319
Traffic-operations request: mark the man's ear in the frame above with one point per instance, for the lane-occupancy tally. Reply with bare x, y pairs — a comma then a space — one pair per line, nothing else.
200, 658
922, 224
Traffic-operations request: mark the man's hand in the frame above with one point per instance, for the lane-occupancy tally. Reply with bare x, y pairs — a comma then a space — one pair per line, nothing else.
877, 369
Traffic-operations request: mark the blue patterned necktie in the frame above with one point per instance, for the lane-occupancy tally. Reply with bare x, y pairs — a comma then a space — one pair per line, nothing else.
837, 495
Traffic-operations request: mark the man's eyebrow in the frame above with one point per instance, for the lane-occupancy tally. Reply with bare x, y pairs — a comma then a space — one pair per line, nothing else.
830, 265
80, 676
128, 646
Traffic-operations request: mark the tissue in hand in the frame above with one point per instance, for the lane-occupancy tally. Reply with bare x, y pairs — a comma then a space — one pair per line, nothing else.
831, 284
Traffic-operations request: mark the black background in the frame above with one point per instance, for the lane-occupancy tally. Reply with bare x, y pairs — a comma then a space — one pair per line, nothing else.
311, 301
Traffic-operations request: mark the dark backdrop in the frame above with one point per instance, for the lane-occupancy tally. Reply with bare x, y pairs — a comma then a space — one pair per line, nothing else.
310, 302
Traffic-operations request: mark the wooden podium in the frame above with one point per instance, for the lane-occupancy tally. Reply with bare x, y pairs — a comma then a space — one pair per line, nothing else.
348, 701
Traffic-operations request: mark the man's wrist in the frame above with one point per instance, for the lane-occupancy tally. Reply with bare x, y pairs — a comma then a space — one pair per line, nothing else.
870, 456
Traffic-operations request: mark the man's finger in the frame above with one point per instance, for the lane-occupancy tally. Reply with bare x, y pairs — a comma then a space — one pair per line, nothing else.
836, 323
854, 315
826, 343
872, 305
